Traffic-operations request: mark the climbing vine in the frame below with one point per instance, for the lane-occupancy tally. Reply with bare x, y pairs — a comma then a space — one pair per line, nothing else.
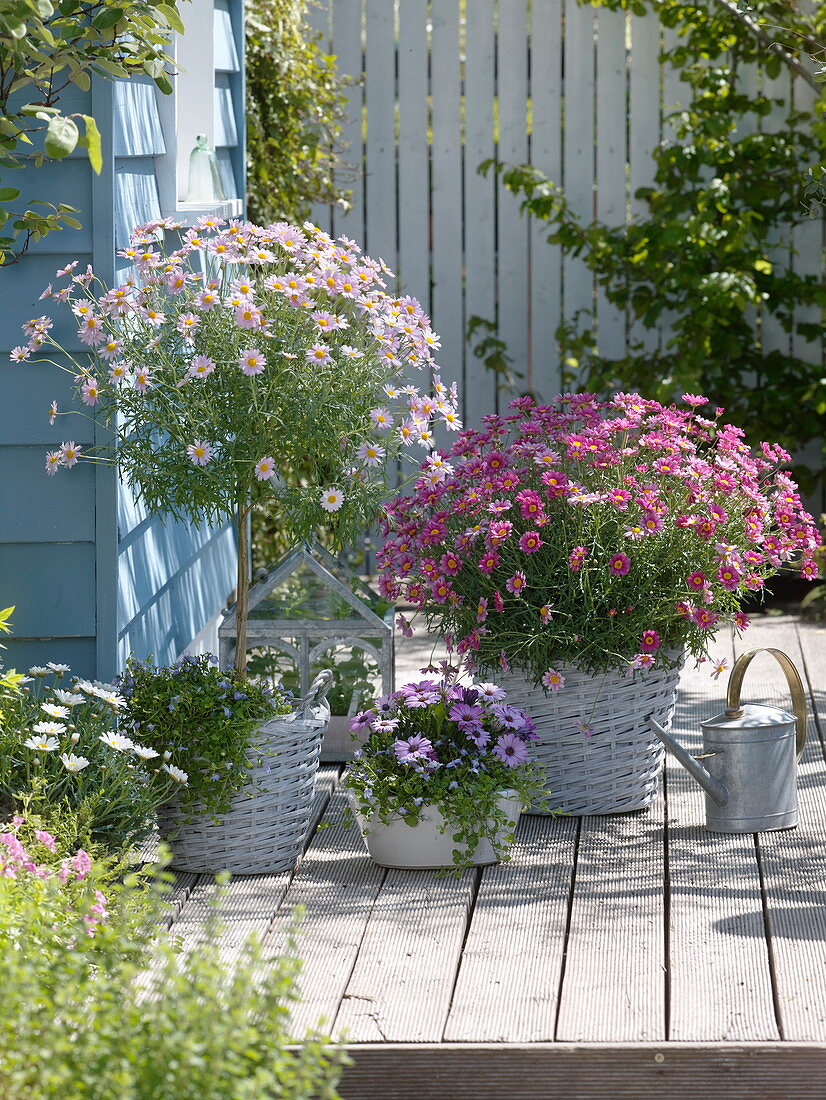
722, 190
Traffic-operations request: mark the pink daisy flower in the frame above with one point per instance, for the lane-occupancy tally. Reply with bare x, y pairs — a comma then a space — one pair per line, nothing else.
489, 561
69, 453
553, 680
482, 609
251, 361
90, 392
265, 468
199, 452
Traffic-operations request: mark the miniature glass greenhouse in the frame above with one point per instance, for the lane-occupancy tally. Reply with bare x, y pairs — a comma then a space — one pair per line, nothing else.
311, 612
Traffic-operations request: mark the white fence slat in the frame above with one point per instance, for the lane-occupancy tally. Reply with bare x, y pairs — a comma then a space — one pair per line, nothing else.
414, 153
446, 196
807, 246
644, 136
318, 17
546, 155
611, 81
380, 163
674, 92
479, 389
774, 337
347, 46
578, 148
512, 227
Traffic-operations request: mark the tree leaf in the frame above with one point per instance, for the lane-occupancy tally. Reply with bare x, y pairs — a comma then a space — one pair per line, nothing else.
93, 147
107, 18
172, 17
61, 137
8, 193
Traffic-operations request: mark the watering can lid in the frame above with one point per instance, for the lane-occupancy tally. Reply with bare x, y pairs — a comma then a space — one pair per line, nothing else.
753, 715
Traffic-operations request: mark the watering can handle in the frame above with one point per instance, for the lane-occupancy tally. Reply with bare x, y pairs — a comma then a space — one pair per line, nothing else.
792, 679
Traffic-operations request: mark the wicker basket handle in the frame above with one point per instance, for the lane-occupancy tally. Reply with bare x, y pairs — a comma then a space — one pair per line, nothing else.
317, 695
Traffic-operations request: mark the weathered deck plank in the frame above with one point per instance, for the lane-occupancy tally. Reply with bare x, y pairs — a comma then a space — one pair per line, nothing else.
509, 977
794, 860
403, 979
719, 976
336, 886
614, 983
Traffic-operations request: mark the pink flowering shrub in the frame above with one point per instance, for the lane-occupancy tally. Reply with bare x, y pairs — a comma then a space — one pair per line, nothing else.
445, 744
606, 534
56, 886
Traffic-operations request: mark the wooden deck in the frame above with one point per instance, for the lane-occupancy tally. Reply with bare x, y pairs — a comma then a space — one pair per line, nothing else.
613, 957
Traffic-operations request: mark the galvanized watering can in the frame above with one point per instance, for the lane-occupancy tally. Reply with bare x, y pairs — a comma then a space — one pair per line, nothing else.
751, 753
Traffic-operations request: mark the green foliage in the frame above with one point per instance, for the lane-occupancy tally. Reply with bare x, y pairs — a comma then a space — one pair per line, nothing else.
62, 759
45, 48
204, 716
84, 1018
295, 107
10, 680
701, 255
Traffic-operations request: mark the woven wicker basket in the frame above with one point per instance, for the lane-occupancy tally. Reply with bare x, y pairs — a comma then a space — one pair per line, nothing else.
617, 768
265, 827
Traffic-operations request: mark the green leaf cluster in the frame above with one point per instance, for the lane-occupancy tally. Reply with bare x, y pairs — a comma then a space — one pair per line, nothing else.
295, 108
47, 47
700, 260
205, 718
87, 1018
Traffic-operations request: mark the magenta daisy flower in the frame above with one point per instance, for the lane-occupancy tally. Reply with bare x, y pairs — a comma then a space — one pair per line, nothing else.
516, 583
576, 557
696, 581
482, 609
530, 542
619, 564
489, 561
650, 641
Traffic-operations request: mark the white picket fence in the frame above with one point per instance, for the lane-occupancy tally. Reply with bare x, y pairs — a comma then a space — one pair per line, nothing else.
442, 85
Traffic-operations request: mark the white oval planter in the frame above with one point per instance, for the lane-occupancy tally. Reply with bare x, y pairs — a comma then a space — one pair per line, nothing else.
424, 846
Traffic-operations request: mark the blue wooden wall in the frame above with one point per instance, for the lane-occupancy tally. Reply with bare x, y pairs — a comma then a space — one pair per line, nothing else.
92, 576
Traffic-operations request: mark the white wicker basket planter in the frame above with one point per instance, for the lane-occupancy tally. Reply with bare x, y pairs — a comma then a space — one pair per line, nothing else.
265, 827
617, 768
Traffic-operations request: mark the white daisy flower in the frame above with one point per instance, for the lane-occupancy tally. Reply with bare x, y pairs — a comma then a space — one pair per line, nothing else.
68, 698
42, 744
54, 711
110, 697
74, 763
144, 752
58, 668
176, 773
115, 741
37, 670
49, 728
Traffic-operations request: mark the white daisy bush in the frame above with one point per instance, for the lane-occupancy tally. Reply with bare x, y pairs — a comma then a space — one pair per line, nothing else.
63, 754
250, 361
455, 746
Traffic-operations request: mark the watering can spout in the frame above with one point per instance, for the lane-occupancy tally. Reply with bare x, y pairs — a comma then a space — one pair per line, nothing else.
713, 788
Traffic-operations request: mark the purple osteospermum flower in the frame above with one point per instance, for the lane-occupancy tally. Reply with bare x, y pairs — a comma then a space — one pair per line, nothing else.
462, 713
419, 695
362, 720
479, 737
490, 691
511, 750
413, 749
510, 717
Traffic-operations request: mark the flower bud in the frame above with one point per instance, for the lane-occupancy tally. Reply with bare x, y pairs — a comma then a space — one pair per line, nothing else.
75, 738
167, 755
